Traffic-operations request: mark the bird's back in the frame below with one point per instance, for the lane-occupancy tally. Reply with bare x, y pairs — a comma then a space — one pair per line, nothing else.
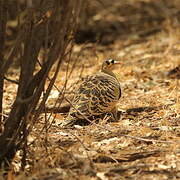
97, 94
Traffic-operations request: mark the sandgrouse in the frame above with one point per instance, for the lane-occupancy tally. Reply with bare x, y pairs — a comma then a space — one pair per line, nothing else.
98, 94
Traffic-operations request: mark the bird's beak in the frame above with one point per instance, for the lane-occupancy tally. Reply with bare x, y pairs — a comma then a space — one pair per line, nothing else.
118, 62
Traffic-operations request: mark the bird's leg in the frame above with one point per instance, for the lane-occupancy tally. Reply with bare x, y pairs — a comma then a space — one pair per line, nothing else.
114, 114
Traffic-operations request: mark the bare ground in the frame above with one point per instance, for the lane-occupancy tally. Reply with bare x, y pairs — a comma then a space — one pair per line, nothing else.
145, 142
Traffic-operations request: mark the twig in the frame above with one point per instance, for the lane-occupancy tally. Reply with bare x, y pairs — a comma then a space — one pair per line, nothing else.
87, 154
128, 136
24, 101
11, 80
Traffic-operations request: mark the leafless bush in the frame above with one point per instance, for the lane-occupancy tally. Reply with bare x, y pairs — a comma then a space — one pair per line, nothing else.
47, 24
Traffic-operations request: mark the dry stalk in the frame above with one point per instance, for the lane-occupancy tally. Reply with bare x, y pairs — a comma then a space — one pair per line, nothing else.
128, 136
63, 20
3, 22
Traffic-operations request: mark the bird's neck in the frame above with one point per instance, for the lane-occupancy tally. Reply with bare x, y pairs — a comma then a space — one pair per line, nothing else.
108, 72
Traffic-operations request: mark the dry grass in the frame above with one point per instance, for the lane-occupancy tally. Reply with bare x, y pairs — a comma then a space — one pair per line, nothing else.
151, 111
143, 144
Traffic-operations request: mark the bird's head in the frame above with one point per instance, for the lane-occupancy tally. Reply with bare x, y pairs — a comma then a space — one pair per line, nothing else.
109, 64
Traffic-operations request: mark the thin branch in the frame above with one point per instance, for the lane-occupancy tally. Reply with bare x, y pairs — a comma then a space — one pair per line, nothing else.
118, 134
11, 80
83, 145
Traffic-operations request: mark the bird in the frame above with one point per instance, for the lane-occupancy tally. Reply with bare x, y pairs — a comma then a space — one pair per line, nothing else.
98, 94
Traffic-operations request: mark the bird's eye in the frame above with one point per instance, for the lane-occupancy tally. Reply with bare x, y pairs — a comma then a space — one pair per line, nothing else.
108, 63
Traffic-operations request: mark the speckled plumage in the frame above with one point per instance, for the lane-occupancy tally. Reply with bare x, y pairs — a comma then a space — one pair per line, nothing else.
98, 94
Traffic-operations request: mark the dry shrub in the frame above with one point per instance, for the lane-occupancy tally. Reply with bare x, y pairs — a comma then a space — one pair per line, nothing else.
47, 25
